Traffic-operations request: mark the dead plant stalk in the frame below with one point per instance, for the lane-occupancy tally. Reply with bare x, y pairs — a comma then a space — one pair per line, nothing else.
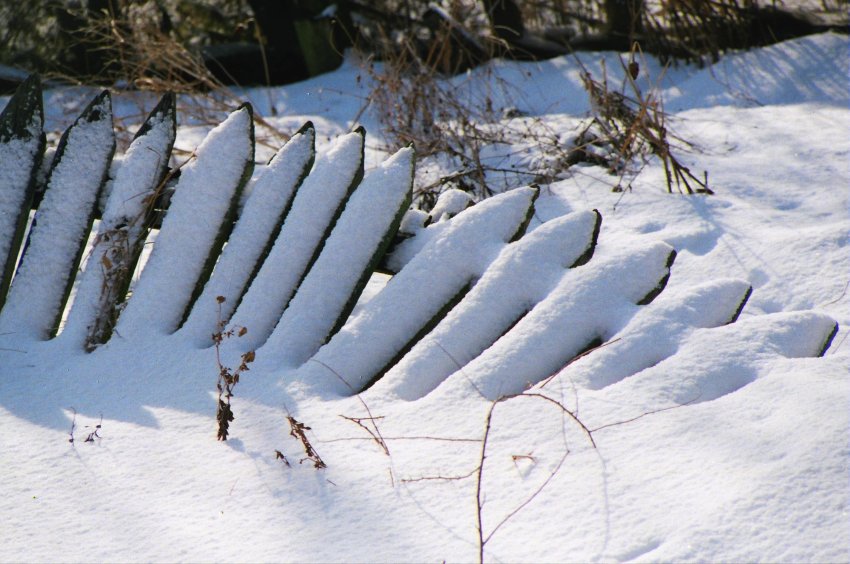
227, 377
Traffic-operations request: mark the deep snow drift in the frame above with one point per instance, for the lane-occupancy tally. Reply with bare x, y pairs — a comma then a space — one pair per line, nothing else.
710, 442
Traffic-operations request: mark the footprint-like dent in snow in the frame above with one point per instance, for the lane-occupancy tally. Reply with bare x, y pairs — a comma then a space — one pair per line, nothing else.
787, 205
758, 277
768, 306
651, 227
699, 241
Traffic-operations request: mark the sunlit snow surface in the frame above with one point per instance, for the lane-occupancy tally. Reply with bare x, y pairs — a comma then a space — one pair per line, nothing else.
713, 443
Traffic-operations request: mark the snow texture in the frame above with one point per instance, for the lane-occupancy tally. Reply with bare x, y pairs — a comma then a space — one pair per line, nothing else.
453, 260
121, 227
522, 275
588, 303
712, 363
14, 177
450, 203
204, 194
262, 214
414, 220
654, 333
349, 250
19, 156
61, 225
324, 190
713, 442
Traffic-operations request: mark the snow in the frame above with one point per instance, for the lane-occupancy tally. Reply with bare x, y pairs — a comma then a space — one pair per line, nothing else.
713, 363
261, 219
20, 153
325, 190
121, 227
333, 280
445, 267
712, 440
520, 277
21, 156
206, 190
589, 302
60, 227
761, 77
450, 203
654, 334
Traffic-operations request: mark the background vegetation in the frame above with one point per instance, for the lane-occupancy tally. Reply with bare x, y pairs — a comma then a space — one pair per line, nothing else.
280, 41
201, 47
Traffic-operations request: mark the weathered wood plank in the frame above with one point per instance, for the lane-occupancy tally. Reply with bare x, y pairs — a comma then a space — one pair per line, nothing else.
124, 225
22, 143
62, 224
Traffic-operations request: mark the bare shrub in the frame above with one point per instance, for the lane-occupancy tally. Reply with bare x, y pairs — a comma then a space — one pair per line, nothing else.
455, 125
628, 127
142, 50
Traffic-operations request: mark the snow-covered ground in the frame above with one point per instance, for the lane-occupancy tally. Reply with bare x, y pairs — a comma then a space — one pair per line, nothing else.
697, 441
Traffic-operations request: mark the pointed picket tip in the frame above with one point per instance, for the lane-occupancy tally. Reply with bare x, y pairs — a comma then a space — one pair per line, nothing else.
17, 119
403, 155
248, 110
97, 109
308, 127
166, 108
247, 107
408, 153
307, 130
828, 341
523, 227
655, 292
741, 305
591, 248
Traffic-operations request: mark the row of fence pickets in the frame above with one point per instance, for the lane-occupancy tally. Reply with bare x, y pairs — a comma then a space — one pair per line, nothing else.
298, 252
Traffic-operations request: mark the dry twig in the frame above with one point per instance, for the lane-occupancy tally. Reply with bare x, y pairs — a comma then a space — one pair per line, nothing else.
297, 430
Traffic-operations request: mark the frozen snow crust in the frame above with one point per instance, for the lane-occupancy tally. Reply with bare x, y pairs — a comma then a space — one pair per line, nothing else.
657, 377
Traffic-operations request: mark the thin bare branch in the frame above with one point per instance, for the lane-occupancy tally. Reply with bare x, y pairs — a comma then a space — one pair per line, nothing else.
378, 437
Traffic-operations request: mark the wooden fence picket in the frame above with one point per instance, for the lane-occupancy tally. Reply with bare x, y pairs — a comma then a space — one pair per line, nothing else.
22, 143
60, 228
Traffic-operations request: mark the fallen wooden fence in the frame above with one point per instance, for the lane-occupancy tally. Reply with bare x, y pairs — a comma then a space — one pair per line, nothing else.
470, 291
